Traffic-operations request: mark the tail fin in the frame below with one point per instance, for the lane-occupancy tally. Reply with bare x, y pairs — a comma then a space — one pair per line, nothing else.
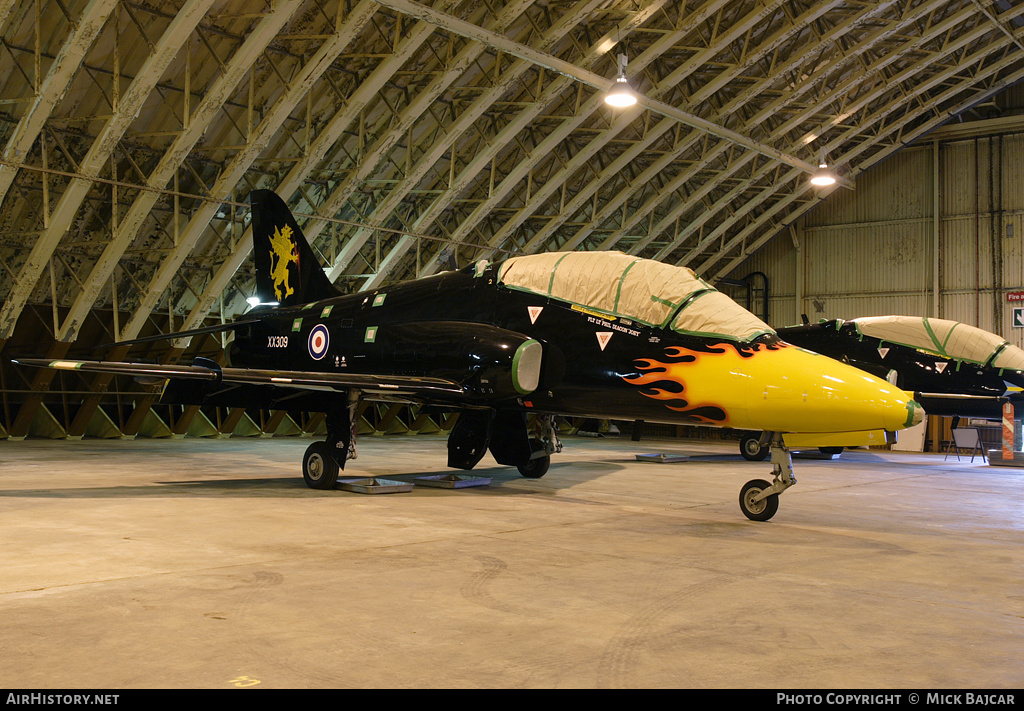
287, 270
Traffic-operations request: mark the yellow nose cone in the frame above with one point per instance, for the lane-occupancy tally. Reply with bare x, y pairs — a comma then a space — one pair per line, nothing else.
793, 390
778, 387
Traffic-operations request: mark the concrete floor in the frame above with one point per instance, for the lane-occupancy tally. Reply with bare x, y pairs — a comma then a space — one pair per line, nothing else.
209, 564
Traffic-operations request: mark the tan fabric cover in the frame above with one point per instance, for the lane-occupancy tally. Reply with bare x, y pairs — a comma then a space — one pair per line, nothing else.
1010, 358
532, 273
631, 287
716, 313
946, 338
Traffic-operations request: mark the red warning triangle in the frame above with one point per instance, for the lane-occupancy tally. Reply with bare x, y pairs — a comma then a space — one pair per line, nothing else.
603, 337
534, 312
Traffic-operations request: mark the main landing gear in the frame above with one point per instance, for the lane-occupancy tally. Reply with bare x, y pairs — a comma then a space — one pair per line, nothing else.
323, 461
752, 449
544, 443
508, 436
759, 500
511, 440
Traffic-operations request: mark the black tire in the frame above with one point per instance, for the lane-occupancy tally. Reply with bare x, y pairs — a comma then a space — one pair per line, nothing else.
319, 467
751, 449
761, 510
537, 467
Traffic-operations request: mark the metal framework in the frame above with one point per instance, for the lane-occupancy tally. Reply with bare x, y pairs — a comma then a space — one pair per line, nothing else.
412, 135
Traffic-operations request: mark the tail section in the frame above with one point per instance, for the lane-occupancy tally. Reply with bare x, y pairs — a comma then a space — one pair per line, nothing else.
287, 270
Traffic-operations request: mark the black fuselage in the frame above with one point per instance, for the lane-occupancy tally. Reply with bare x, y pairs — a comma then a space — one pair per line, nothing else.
447, 326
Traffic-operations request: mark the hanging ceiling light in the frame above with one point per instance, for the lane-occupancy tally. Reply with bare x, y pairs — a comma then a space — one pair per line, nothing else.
823, 177
621, 95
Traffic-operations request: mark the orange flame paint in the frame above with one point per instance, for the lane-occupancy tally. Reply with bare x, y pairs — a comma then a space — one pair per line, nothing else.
701, 379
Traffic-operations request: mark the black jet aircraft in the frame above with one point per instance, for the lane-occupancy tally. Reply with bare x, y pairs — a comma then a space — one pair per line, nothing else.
594, 334
952, 369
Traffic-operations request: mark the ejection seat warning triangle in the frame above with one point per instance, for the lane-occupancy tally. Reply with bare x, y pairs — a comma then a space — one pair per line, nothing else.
534, 312
1018, 317
603, 337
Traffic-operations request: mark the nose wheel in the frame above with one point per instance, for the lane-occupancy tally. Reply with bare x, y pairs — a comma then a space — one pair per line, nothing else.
759, 500
755, 504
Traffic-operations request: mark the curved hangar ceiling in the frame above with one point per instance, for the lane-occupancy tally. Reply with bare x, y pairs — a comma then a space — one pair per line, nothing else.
418, 134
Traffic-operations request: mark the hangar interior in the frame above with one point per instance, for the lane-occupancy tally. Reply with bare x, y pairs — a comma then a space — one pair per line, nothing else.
414, 137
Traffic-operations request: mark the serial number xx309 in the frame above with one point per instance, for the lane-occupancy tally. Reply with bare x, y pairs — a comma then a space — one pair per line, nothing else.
277, 341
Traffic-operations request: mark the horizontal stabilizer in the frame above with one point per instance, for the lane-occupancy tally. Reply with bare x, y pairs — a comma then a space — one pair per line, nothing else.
138, 370
219, 328
390, 385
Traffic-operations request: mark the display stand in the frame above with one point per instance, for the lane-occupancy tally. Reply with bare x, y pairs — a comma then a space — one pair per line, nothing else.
966, 438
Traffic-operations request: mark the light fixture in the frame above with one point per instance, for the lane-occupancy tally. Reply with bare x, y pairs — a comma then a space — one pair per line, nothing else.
621, 95
823, 177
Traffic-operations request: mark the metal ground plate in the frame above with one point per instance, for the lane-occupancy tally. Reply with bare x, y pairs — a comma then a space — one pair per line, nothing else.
452, 481
662, 458
374, 485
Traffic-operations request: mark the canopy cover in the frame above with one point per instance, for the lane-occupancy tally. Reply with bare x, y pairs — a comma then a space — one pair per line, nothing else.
643, 290
949, 339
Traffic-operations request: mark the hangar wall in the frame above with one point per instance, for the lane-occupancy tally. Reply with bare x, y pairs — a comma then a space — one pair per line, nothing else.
935, 230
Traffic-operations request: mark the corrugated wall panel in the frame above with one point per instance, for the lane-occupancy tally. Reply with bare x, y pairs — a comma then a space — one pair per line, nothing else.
856, 306
778, 261
1012, 169
966, 254
1013, 251
869, 252
874, 200
866, 258
784, 312
960, 189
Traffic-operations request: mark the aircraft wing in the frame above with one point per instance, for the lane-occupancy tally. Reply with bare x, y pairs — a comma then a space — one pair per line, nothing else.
389, 385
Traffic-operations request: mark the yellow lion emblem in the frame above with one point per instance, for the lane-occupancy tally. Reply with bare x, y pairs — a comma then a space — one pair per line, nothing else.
283, 254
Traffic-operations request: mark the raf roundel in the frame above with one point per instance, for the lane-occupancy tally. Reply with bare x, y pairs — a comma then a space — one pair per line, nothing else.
319, 339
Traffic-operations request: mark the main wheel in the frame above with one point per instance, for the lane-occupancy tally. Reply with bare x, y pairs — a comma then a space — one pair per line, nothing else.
537, 467
758, 510
319, 467
751, 449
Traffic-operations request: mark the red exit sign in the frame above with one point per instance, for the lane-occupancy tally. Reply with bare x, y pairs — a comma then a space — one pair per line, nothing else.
1015, 296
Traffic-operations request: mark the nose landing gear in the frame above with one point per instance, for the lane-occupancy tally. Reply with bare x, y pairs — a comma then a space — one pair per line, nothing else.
759, 500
